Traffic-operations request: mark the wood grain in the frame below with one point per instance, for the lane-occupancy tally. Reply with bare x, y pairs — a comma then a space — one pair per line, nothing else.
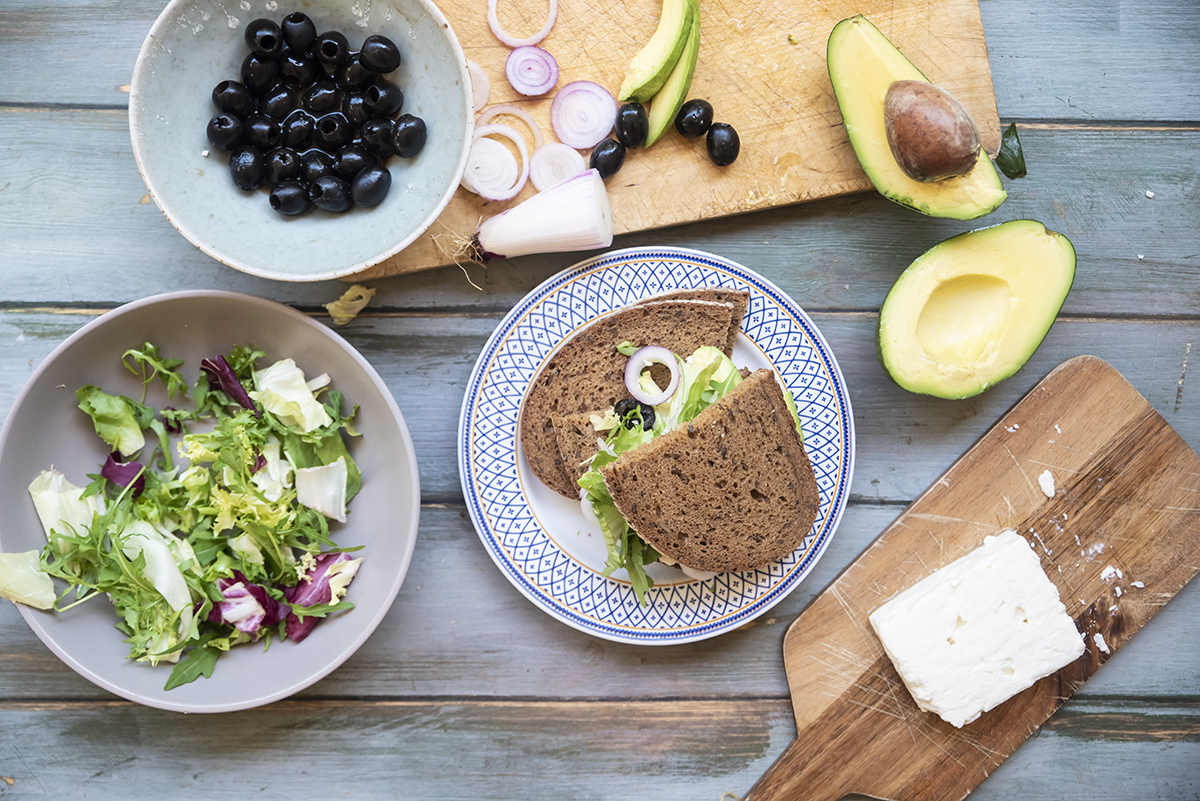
1119, 538
761, 65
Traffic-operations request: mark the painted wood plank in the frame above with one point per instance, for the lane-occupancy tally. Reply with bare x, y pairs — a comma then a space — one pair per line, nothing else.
459, 629
904, 441
95, 241
480, 750
1049, 60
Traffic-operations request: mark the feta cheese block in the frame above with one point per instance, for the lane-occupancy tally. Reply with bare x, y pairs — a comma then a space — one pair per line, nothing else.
978, 631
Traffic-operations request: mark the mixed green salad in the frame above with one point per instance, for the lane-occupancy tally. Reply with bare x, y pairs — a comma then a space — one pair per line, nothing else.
231, 543
706, 376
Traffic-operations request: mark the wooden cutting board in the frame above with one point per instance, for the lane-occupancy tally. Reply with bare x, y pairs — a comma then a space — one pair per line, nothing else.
1119, 538
761, 65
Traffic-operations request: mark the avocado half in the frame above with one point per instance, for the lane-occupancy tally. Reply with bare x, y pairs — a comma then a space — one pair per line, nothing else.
862, 65
969, 312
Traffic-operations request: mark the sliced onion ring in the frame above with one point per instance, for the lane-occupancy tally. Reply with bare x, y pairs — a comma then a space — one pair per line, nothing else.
481, 87
519, 113
639, 361
553, 163
582, 113
503, 36
531, 70
491, 185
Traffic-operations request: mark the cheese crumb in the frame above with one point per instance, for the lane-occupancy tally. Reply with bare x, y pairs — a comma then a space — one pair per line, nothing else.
1046, 482
1138, 584
1098, 638
1110, 572
1149, 193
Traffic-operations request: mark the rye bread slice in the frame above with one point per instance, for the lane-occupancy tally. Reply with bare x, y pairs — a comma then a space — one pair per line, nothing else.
738, 299
576, 437
588, 372
731, 490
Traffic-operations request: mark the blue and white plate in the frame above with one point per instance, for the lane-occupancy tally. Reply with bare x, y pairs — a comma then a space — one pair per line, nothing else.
543, 543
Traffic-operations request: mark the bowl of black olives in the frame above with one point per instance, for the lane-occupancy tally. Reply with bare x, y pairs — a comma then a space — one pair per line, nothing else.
301, 143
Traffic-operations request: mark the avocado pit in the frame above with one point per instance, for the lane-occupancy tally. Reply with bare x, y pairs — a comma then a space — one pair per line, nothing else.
930, 132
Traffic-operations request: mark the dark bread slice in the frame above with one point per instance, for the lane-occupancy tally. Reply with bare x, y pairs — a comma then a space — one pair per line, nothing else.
588, 372
576, 437
738, 299
731, 490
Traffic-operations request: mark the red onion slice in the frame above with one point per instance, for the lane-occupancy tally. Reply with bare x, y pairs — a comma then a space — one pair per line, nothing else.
481, 87
519, 113
639, 361
503, 36
531, 70
582, 114
553, 163
488, 173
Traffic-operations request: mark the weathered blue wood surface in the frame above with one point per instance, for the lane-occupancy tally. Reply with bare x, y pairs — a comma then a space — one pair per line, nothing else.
466, 690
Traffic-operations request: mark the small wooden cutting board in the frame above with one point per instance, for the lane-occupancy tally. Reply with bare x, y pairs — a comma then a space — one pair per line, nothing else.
761, 65
1119, 537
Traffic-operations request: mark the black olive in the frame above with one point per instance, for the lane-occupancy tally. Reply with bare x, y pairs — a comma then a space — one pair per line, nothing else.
322, 97
296, 131
694, 118
246, 166
282, 164
352, 76
355, 109
370, 186
261, 131
383, 98
224, 131
333, 132
352, 159
331, 48
300, 70
380, 53
265, 38
723, 144
299, 32
316, 164
408, 136
330, 193
290, 198
624, 407
608, 157
259, 73
377, 136
633, 125
279, 101
234, 98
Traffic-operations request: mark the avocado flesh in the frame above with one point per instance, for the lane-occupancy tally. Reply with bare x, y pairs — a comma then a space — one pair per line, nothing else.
667, 101
862, 65
648, 70
969, 312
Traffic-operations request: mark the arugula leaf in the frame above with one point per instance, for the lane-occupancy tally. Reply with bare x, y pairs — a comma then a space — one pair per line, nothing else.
149, 363
197, 662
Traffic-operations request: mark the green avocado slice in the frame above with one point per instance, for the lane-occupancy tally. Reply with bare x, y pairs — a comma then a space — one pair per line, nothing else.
667, 101
969, 312
648, 70
862, 65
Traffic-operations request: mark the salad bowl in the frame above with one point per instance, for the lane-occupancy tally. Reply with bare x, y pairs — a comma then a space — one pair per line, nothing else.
45, 429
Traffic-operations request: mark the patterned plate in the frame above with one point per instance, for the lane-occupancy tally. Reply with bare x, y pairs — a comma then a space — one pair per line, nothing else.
543, 543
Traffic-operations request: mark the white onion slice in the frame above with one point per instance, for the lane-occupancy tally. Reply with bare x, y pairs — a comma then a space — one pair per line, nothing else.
531, 70
519, 113
490, 165
481, 87
553, 163
582, 113
503, 36
639, 361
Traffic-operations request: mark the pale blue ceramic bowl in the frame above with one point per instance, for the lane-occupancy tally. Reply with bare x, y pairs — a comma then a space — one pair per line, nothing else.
196, 44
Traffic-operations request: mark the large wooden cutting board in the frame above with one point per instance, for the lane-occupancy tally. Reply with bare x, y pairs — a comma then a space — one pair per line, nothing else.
1119, 538
762, 66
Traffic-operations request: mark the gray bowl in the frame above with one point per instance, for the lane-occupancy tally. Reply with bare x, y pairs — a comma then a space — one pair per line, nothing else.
196, 44
45, 428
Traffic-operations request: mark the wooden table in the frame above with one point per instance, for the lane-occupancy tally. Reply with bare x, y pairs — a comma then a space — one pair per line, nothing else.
467, 690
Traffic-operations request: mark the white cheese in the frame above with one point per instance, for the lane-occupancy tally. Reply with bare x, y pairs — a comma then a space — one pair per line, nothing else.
1046, 482
978, 631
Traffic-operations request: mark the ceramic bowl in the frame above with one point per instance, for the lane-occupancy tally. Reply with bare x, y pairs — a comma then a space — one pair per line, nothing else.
45, 428
196, 44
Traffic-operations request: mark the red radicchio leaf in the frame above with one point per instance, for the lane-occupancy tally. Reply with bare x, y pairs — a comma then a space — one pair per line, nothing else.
247, 606
125, 472
221, 376
311, 591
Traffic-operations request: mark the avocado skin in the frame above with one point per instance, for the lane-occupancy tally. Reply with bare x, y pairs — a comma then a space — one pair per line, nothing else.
1051, 294
649, 69
668, 100
854, 42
